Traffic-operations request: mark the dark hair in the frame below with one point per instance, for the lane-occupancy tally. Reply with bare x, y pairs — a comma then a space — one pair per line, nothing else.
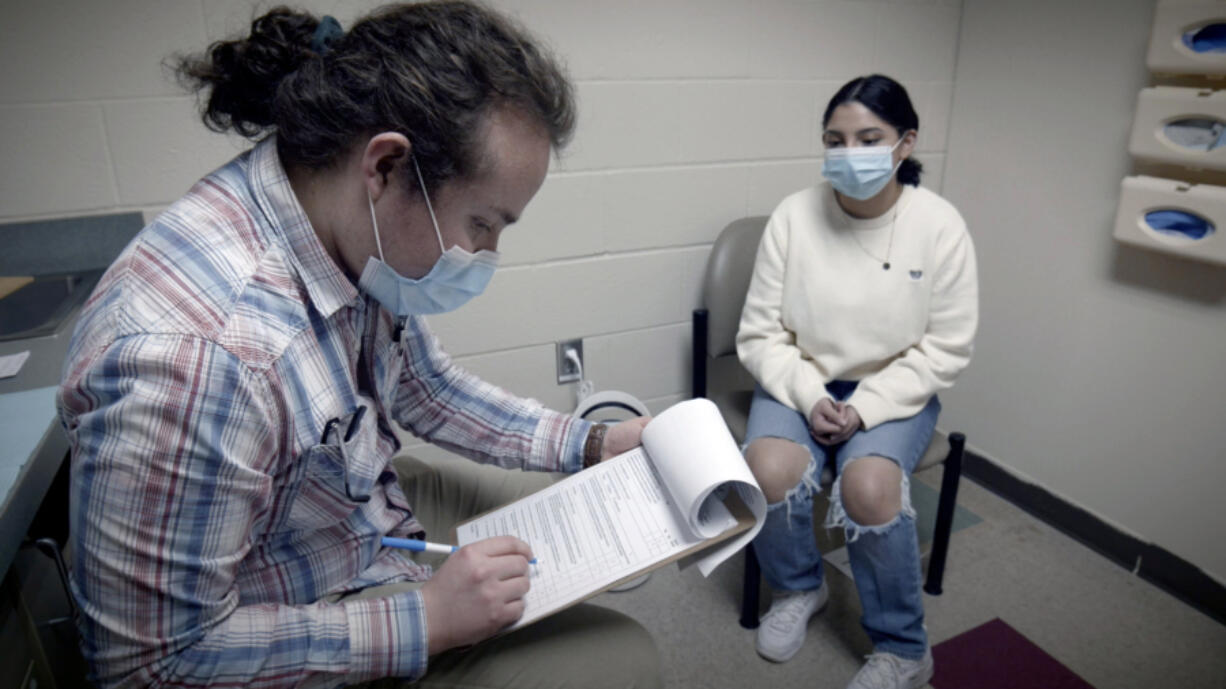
888, 100
431, 71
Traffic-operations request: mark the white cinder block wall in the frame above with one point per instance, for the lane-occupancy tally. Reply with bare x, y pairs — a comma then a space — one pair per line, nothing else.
692, 114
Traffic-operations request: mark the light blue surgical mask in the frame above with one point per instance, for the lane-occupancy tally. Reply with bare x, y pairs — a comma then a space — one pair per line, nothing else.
860, 171
455, 278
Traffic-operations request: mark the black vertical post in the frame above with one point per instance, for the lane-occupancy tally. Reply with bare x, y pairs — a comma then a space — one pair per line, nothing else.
750, 589
945, 513
698, 348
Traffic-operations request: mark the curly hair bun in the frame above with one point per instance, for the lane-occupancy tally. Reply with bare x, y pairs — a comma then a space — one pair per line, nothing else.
431, 71
242, 75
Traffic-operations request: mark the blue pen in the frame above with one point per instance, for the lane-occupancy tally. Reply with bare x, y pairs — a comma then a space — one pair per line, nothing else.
425, 547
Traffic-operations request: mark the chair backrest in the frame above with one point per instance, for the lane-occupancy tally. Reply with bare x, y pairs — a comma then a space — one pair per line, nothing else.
729, 269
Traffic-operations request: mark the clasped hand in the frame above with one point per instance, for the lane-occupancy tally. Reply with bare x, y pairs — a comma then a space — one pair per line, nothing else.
831, 422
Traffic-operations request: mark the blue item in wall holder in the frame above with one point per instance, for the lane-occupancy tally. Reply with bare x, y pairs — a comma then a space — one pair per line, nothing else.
1196, 133
1177, 223
1210, 38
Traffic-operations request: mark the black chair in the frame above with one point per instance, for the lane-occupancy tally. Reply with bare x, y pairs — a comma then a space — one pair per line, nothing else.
718, 375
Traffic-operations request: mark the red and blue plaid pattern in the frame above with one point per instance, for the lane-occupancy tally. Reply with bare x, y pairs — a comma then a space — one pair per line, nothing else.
210, 515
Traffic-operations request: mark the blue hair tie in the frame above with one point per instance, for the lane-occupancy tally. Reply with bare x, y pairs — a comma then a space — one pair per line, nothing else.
328, 31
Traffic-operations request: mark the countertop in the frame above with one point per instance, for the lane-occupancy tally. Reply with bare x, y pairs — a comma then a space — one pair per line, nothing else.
33, 445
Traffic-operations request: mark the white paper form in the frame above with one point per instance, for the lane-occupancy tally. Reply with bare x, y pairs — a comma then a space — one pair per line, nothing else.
696, 455
591, 530
11, 365
628, 513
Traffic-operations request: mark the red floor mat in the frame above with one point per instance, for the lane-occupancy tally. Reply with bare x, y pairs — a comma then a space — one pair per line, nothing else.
996, 655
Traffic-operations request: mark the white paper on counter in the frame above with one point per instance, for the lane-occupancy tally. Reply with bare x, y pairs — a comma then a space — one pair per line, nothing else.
10, 365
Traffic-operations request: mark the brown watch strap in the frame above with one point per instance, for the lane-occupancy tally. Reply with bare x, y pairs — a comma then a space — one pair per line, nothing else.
593, 447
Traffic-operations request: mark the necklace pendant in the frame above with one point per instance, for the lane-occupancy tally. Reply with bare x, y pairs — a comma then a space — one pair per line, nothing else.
885, 266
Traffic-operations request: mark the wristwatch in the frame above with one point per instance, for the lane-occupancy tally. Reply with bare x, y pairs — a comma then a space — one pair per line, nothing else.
593, 447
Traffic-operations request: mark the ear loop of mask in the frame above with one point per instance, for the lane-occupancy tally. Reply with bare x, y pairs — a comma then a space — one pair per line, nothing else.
374, 223
899, 143
893, 148
429, 207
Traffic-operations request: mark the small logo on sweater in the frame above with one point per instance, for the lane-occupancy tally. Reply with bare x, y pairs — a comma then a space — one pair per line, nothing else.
917, 274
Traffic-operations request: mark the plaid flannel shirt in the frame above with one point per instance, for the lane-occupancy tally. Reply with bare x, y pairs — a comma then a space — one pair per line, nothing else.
211, 509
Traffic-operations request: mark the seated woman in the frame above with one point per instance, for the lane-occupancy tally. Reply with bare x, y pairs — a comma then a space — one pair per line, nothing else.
863, 305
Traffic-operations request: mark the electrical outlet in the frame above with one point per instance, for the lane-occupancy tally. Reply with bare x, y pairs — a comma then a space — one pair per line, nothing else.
567, 371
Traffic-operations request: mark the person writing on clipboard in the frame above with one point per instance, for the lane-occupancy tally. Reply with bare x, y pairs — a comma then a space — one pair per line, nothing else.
234, 379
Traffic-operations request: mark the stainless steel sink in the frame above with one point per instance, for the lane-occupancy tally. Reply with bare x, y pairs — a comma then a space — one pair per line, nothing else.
40, 307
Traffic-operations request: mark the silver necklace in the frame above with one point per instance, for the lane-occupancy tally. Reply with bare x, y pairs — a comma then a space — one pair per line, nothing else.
885, 264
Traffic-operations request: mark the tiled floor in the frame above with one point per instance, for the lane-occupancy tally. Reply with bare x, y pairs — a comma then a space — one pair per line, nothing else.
1109, 627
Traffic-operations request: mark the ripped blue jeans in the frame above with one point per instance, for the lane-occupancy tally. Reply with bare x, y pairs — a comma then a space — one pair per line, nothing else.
885, 558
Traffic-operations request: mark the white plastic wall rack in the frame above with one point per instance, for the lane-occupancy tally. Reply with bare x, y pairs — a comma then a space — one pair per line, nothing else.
1173, 216
1180, 126
1188, 38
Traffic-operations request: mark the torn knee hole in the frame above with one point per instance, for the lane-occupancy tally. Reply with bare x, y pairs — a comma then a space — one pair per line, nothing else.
797, 494
874, 522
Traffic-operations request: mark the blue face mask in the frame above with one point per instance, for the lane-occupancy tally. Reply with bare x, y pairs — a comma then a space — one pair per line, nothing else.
456, 277
861, 171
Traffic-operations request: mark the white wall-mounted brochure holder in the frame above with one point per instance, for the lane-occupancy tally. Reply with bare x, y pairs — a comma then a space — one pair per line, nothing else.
1180, 126
1188, 38
1174, 217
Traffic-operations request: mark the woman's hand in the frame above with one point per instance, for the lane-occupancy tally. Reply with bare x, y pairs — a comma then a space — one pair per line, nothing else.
832, 422
824, 421
624, 436
850, 422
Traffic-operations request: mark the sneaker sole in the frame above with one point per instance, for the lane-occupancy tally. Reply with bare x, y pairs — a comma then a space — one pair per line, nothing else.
778, 659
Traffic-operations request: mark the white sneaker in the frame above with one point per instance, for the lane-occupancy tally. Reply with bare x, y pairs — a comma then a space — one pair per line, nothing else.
782, 631
888, 671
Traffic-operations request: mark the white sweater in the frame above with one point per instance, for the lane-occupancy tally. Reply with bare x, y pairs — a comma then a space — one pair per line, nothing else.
820, 308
